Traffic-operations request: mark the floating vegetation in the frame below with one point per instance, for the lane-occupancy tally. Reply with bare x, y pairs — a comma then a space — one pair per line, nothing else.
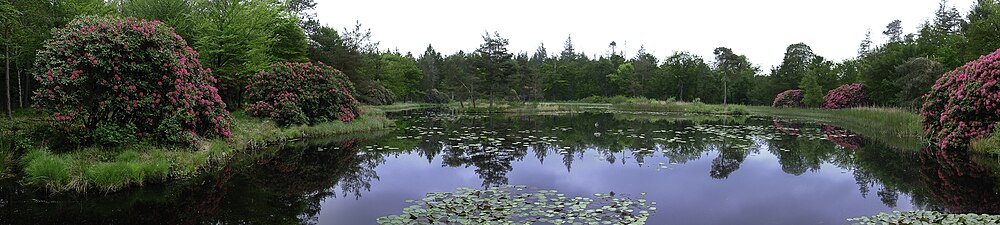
926, 217
522, 205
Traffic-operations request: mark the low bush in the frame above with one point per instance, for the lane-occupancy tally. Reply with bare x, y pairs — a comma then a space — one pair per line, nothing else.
846, 96
435, 96
301, 93
789, 98
963, 104
112, 80
374, 93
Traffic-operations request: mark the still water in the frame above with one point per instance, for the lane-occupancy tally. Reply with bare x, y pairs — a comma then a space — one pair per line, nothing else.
699, 169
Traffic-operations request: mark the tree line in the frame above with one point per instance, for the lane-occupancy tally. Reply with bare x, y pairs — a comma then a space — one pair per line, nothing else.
239, 38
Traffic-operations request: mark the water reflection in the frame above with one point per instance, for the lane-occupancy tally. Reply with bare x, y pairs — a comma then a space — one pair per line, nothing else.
296, 182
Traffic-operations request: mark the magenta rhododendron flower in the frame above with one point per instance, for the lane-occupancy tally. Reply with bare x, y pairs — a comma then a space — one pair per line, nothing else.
846, 96
789, 98
110, 91
962, 104
301, 93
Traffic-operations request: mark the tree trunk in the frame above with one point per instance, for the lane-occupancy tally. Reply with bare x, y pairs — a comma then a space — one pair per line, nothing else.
725, 91
20, 90
6, 54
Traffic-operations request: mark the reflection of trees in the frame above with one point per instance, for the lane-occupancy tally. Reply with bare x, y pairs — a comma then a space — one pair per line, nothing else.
842, 137
728, 161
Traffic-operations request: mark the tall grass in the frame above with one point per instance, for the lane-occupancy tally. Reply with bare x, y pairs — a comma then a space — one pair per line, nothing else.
895, 127
112, 169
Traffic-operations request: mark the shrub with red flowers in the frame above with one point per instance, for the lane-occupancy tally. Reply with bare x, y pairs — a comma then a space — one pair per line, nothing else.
301, 93
845, 96
789, 98
963, 104
115, 79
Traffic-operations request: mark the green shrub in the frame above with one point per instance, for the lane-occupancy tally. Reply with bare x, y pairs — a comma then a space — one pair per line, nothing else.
122, 78
435, 96
373, 93
301, 93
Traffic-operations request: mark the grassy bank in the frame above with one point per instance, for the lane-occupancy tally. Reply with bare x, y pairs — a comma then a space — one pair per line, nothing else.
109, 169
643, 105
894, 127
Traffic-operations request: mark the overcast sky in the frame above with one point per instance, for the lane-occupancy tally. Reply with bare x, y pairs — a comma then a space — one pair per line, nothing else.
759, 29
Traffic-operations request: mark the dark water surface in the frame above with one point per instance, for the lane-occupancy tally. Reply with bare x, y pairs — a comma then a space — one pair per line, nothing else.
699, 169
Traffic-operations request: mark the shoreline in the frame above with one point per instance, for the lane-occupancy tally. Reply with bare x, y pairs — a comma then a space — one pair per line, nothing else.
84, 169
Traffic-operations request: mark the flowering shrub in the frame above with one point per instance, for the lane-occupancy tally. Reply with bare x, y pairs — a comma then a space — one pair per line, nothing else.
963, 104
301, 93
789, 98
117, 78
845, 96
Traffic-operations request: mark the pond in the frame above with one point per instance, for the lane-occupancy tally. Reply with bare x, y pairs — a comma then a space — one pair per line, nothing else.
698, 169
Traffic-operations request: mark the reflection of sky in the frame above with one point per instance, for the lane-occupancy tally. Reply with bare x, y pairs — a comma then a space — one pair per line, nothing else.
758, 193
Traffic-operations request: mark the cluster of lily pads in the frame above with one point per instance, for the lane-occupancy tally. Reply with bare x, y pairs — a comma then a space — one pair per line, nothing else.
523, 205
926, 217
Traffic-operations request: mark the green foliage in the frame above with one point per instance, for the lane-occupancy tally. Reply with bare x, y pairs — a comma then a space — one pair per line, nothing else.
373, 93
793, 67
812, 93
685, 75
926, 217
435, 96
492, 63
301, 93
982, 30
522, 205
401, 75
178, 14
916, 76
109, 76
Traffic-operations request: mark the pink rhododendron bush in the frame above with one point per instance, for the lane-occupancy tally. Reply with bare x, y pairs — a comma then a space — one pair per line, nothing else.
963, 104
789, 98
113, 80
301, 93
846, 96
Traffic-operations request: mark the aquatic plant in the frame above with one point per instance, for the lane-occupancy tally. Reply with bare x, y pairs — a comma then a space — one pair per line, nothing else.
926, 217
789, 98
301, 93
522, 205
846, 96
962, 104
127, 78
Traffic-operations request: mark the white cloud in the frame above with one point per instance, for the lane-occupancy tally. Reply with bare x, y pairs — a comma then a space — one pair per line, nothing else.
759, 29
